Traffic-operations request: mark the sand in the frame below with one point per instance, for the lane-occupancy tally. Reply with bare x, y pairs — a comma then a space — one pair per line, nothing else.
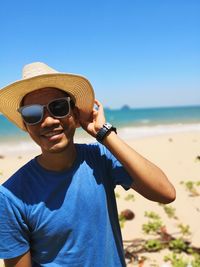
176, 154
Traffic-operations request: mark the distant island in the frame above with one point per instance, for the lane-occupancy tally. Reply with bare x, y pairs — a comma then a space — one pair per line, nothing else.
125, 107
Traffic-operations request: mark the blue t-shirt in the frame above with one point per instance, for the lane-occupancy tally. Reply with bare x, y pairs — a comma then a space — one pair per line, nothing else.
65, 218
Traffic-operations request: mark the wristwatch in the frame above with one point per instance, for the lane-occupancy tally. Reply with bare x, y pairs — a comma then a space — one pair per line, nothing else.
105, 130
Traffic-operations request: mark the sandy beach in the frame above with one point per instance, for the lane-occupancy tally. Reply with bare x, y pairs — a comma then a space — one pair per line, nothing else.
177, 155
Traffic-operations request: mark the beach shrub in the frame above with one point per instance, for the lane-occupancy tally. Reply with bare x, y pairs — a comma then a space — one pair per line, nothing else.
176, 260
130, 197
196, 260
184, 254
154, 224
178, 245
152, 227
153, 245
151, 215
170, 211
179, 261
117, 195
185, 229
122, 221
191, 186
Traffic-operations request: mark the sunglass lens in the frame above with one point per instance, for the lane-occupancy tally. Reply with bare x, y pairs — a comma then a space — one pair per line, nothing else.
32, 114
59, 107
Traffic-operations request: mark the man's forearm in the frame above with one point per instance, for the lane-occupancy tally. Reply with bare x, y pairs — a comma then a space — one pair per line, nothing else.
148, 179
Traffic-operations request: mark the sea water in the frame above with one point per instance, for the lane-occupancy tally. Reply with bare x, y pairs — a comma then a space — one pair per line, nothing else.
131, 123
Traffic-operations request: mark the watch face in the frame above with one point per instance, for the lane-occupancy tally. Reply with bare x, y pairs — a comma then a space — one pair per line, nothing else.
107, 125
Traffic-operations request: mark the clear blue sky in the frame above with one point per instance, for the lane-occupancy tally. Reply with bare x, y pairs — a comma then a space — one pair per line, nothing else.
142, 53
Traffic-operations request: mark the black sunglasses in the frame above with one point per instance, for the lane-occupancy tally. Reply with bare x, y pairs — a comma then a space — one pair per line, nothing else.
33, 114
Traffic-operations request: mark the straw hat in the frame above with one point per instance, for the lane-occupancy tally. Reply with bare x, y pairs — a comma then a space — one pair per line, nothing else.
38, 75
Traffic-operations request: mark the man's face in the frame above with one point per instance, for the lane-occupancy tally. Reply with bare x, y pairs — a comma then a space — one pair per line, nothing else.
51, 134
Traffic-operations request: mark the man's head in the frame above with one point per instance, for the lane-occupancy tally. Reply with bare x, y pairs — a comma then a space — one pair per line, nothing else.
39, 76
50, 117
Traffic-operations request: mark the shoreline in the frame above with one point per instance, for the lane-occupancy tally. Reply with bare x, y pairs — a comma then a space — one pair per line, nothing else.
23, 143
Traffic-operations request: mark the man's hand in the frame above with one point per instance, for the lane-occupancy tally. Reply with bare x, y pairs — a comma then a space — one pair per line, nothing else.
96, 121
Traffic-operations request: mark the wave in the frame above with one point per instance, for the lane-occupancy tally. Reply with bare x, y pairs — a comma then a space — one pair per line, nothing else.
145, 131
14, 146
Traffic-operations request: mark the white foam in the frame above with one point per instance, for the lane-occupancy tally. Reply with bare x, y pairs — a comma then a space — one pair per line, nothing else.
145, 131
21, 147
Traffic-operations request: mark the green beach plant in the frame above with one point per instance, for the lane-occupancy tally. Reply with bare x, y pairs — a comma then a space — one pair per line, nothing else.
170, 211
176, 260
117, 195
191, 186
154, 223
183, 254
130, 197
180, 261
151, 215
153, 245
178, 245
196, 260
122, 221
185, 229
152, 227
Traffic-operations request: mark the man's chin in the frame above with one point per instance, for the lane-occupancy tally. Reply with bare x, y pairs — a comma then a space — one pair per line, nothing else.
56, 148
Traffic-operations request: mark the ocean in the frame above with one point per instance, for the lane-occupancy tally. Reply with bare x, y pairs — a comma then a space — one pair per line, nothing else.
131, 123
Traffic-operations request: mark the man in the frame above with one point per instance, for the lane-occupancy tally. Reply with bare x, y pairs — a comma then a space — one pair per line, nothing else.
59, 209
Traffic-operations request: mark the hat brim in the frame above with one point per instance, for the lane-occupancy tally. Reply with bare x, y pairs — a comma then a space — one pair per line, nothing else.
77, 86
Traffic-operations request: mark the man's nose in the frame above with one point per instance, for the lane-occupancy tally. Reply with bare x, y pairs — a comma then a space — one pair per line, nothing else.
48, 120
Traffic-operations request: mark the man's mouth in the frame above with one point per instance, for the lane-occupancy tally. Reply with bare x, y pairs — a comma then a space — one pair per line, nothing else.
52, 134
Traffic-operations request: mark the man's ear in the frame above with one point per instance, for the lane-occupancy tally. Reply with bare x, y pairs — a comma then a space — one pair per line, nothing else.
76, 114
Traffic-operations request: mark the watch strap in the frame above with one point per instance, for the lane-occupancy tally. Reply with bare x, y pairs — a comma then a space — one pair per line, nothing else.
104, 131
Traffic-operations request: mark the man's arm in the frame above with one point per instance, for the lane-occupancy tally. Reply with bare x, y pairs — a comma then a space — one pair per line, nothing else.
148, 179
21, 261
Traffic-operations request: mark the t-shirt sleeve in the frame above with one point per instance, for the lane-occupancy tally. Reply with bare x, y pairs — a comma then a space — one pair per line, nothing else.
14, 237
117, 172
